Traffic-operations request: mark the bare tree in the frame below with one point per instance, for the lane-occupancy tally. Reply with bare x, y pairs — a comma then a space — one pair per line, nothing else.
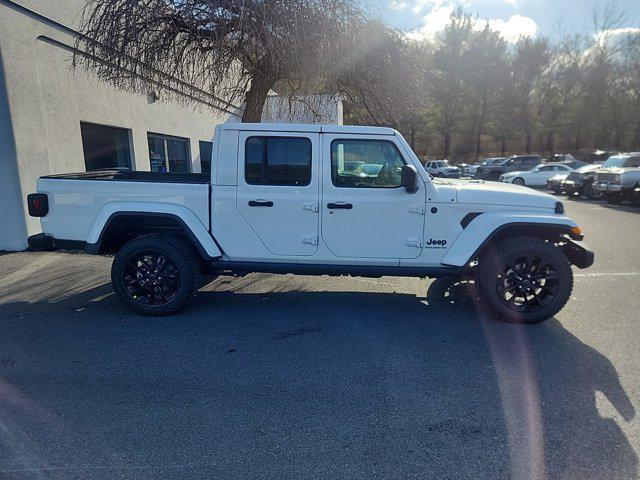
232, 48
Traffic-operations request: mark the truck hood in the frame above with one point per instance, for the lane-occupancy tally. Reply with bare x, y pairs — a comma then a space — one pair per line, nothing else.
494, 193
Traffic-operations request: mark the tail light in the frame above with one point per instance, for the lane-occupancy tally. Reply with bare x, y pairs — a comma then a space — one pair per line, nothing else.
38, 204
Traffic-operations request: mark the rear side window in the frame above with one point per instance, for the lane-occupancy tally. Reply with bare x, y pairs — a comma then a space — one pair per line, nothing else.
277, 161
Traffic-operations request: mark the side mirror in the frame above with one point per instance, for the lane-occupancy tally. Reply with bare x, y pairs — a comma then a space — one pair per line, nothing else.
410, 178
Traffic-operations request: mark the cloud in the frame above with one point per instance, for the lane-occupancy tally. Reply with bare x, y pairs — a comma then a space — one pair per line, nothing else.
440, 16
613, 35
511, 2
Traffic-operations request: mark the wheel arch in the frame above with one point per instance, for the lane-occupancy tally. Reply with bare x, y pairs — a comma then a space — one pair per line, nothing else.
112, 231
481, 234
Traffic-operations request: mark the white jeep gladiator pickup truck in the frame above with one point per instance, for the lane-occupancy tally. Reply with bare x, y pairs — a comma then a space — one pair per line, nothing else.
311, 199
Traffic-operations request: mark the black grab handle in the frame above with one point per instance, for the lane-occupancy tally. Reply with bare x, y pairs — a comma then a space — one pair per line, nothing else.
345, 206
260, 203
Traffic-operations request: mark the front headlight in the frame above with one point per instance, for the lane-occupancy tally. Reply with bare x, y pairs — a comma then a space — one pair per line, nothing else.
617, 178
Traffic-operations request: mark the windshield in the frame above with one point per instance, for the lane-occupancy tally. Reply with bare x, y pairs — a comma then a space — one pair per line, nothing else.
615, 161
444, 163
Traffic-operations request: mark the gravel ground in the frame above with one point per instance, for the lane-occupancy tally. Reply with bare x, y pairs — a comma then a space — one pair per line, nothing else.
286, 377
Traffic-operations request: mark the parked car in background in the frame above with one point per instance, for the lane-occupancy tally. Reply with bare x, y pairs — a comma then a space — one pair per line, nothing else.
517, 163
537, 176
473, 169
580, 182
556, 183
599, 156
575, 164
442, 168
465, 169
619, 177
561, 157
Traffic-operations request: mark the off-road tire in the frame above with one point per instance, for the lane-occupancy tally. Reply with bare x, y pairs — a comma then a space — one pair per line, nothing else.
491, 268
178, 252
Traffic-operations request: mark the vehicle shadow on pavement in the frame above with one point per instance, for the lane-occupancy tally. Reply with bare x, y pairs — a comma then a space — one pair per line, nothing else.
313, 384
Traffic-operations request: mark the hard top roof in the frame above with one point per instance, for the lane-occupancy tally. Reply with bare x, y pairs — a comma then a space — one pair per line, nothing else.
310, 128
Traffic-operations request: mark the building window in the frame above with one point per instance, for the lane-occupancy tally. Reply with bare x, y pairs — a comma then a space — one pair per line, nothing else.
168, 154
105, 147
366, 163
206, 148
278, 161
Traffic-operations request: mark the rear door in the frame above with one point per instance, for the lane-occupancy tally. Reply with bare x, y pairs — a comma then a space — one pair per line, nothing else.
365, 212
278, 189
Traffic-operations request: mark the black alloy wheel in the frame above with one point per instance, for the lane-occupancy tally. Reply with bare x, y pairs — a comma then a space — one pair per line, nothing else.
527, 283
156, 274
151, 278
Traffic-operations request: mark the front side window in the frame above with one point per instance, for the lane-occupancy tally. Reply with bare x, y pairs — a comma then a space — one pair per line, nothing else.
366, 163
105, 147
278, 161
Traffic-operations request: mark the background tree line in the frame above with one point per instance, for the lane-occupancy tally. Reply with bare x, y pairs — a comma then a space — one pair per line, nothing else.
462, 94
467, 93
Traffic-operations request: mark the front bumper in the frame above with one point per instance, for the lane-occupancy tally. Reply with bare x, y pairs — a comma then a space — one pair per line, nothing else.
578, 253
609, 187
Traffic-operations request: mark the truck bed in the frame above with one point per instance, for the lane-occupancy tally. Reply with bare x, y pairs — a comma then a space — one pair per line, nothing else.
80, 202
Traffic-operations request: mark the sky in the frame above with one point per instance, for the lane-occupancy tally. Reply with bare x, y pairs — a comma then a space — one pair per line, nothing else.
512, 18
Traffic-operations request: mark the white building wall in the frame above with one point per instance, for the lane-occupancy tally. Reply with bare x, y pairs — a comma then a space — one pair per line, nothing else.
42, 103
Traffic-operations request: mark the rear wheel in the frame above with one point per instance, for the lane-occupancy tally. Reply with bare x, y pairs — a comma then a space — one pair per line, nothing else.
518, 181
524, 280
155, 274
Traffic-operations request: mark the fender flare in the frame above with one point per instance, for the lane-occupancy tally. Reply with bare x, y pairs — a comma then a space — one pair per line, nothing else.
197, 232
486, 226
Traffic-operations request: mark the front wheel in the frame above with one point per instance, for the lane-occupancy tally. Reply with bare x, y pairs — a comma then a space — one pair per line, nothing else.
518, 181
524, 280
155, 274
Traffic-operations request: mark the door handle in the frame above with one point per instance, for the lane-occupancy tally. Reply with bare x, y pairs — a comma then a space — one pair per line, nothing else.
339, 205
260, 203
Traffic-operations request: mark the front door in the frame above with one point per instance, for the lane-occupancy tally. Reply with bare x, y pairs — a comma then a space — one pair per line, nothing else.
278, 190
366, 213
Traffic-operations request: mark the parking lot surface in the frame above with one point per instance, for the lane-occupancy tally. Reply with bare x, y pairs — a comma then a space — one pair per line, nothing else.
285, 377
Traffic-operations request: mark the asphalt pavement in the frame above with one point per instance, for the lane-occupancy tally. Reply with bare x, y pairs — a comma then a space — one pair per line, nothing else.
285, 377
